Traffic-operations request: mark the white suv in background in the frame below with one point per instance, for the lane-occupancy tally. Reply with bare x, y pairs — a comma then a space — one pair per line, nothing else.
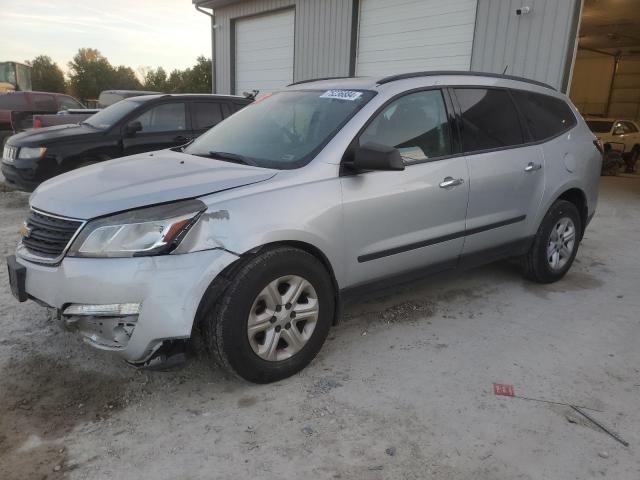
622, 135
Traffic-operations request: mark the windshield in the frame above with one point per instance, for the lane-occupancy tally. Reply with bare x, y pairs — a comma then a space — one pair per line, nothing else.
600, 126
7, 73
108, 117
283, 130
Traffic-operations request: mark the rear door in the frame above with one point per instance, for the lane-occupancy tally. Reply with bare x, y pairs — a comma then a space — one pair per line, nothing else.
407, 220
164, 125
506, 176
205, 115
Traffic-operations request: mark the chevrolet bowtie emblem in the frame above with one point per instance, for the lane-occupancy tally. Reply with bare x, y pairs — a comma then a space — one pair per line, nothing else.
25, 231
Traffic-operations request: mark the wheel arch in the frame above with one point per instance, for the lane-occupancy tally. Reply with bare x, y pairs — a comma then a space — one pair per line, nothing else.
318, 254
577, 196
219, 284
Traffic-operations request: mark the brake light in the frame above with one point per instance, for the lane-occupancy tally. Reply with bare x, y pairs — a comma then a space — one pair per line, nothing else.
598, 143
37, 123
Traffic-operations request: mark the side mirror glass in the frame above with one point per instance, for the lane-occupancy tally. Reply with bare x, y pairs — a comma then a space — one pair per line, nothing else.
133, 127
374, 156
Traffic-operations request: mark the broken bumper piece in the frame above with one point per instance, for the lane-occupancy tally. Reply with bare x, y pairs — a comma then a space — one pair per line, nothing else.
131, 306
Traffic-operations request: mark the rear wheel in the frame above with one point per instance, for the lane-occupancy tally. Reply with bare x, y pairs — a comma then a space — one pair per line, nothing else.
632, 164
274, 316
555, 245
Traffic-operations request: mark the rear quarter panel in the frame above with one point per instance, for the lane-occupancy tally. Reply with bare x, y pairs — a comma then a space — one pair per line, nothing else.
571, 161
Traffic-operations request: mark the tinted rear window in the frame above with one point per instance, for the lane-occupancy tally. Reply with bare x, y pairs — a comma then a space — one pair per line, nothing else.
11, 101
489, 119
600, 126
545, 116
205, 115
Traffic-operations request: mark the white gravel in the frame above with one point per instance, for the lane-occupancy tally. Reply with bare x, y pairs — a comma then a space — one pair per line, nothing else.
418, 384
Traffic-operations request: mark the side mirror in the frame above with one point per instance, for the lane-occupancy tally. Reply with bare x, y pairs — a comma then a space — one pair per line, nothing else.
133, 127
374, 156
618, 131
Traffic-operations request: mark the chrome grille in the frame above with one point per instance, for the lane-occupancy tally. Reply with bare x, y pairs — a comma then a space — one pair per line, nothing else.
9, 154
48, 236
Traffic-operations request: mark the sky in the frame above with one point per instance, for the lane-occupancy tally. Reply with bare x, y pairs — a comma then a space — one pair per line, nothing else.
134, 33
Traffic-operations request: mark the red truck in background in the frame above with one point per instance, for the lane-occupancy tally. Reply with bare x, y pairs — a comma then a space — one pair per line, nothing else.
18, 108
71, 116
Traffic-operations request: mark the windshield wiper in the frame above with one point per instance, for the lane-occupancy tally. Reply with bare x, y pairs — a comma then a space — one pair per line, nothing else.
232, 157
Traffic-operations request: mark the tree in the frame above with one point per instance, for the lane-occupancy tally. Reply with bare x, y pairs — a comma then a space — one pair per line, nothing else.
46, 76
156, 80
90, 73
198, 78
124, 78
174, 82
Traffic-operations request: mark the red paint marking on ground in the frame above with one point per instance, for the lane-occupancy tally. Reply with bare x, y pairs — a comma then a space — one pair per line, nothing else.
503, 390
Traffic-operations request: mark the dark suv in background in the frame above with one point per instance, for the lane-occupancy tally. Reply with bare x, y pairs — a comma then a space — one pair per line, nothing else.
18, 108
134, 125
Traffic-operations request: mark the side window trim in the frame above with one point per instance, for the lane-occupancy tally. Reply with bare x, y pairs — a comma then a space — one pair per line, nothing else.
379, 110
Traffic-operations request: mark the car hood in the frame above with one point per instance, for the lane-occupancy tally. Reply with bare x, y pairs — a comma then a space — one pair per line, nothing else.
138, 181
43, 136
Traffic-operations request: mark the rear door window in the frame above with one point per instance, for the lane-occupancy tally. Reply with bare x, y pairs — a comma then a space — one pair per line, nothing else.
416, 124
545, 116
44, 103
489, 119
169, 117
205, 115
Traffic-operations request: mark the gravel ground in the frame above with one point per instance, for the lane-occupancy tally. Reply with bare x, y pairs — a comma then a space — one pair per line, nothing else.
401, 390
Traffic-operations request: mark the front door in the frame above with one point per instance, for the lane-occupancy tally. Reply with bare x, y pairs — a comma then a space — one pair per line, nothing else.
406, 220
506, 178
163, 126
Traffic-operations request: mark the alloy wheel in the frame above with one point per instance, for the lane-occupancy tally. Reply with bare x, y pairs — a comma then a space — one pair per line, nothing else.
562, 241
282, 318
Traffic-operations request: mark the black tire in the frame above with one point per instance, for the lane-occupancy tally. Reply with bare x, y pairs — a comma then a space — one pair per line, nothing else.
633, 159
225, 324
536, 266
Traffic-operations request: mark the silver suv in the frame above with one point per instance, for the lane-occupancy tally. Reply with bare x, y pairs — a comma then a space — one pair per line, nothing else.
257, 231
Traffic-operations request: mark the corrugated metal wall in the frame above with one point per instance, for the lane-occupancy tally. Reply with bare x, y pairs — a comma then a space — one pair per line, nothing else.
625, 94
322, 37
592, 76
537, 45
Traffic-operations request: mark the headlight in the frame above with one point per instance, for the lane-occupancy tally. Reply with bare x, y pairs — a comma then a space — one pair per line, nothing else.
146, 231
31, 152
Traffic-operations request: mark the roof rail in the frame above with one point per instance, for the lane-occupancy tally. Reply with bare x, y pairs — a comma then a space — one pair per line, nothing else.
319, 79
404, 76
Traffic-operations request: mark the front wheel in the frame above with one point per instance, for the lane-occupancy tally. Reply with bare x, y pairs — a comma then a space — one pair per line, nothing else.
555, 245
274, 316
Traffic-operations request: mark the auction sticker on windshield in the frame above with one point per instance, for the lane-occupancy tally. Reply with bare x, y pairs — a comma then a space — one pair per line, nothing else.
342, 94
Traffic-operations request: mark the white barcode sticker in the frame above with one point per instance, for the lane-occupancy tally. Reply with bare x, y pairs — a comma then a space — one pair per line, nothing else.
350, 95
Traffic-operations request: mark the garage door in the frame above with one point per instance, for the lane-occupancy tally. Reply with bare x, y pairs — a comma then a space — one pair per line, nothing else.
264, 52
397, 36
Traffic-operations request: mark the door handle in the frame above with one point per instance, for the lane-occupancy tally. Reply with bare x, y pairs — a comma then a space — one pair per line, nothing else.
181, 139
532, 167
449, 182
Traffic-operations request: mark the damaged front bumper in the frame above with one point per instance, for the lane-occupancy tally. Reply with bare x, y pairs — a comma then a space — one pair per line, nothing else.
130, 306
